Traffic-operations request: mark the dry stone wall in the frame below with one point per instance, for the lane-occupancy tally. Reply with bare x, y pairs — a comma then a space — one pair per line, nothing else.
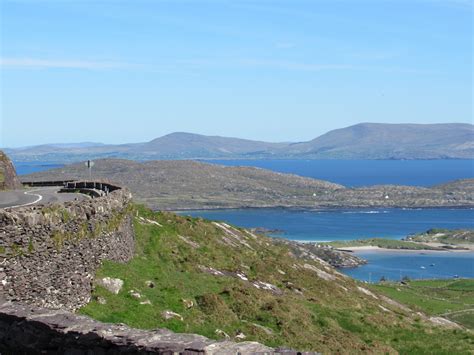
48, 257
31, 330
49, 254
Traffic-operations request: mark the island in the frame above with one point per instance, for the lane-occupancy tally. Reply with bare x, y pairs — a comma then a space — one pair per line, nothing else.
432, 239
190, 185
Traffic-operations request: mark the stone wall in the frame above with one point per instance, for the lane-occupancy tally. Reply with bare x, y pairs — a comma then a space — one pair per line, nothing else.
48, 257
32, 330
49, 254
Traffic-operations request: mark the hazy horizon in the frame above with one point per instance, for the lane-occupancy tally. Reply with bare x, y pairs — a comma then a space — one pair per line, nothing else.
194, 133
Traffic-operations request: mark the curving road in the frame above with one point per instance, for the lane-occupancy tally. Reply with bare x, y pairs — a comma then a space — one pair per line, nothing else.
43, 196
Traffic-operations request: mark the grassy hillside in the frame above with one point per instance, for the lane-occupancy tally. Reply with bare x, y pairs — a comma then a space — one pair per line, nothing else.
451, 299
223, 281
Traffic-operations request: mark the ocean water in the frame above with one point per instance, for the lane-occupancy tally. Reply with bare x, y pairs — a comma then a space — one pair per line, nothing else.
331, 225
352, 224
368, 172
345, 172
396, 265
29, 168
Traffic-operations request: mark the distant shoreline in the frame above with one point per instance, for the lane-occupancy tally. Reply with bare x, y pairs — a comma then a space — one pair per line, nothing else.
411, 251
191, 185
309, 209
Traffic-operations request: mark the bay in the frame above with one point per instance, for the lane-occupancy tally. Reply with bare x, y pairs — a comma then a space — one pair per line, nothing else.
368, 172
414, 265
34, 167
334, 225
345, 172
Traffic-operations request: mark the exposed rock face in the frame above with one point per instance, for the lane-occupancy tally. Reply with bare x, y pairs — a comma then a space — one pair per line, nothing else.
8, 178
111, 284
313, 251
27, 329
49, 254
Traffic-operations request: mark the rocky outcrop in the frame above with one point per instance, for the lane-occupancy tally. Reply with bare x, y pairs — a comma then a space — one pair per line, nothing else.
8, 178
315, 251
49, 254
27, 329
181, 185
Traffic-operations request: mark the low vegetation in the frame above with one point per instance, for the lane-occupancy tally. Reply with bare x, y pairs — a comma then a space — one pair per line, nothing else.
433, 239
445, 236
196, 276
450, 299
381, 243
181, 185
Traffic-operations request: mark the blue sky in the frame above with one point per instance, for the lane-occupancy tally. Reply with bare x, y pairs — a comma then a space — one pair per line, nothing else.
120, 71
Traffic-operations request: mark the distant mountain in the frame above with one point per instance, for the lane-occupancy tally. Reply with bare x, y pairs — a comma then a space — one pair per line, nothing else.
361, 141
76, 145
391, 141
54, 147
188, 145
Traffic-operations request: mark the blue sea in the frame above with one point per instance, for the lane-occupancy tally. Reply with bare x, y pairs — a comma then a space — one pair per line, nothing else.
368, 172
33, 167
416, 265
334, 225
345, 172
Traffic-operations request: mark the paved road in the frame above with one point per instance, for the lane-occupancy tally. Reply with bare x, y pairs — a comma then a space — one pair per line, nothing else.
43, 196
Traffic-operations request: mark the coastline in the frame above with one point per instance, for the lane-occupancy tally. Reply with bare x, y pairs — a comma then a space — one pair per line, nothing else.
316, 209
412, 251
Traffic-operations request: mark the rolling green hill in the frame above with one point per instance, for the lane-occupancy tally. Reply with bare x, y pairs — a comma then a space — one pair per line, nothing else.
450, 299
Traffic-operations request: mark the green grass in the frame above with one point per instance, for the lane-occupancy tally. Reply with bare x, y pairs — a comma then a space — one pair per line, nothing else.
379, 242
451, 299
465, 318
446, 236
311, 313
